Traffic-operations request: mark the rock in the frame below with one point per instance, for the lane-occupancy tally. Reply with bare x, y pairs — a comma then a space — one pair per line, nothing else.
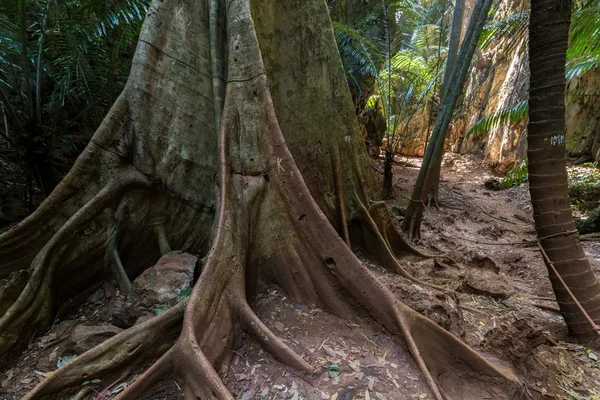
165, 282
492, 184
156, 289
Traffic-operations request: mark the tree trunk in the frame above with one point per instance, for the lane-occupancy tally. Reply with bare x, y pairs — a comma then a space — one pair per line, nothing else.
253, 94
457, 18
548, 41
387, 189
426, 188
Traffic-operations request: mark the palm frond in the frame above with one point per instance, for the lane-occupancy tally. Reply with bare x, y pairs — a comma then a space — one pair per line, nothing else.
508, 115
512, 29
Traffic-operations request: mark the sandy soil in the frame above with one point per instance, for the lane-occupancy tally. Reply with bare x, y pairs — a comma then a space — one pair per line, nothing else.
485, 246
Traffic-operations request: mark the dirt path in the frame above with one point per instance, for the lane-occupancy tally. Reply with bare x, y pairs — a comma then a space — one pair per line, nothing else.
484, 240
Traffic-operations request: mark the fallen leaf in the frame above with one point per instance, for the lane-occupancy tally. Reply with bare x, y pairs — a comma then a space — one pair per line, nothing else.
334, 371
354, 366
9, 374
279, 326
334, 396
367, 395
393, 380
593, 356
119, 388
64, 360
242, 377
104, 395
371, 383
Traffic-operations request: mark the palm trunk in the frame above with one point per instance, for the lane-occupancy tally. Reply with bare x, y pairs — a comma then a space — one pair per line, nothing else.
548, 41
429, 173
387, 191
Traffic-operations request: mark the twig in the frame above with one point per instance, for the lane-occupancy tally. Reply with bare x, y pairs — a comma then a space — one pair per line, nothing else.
370, 341
546, 307
542, 298
472, 309
321, 346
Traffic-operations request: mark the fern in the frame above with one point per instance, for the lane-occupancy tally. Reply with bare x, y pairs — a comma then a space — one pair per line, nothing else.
508, 115
516, 176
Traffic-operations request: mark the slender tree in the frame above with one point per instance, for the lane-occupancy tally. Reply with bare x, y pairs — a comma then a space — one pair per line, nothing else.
548, 186
457, 20
252, 93
425, 190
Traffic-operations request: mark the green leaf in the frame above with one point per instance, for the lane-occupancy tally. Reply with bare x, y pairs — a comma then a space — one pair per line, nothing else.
334, 371
185, 292
592, 356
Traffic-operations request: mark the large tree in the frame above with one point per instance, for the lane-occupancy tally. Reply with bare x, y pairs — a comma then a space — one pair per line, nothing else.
235, 138
575, 285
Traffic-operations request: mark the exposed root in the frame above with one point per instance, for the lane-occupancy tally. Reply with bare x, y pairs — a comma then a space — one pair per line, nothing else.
270, 341
268, 227
22, 243
150, 377
34, 306
125, 350
163, 241
118, 271
339, 194
388, 258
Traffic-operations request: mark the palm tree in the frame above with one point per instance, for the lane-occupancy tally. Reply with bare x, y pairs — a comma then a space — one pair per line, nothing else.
576, 288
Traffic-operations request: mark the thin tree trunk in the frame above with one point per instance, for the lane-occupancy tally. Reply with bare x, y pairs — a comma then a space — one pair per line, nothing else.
387, 191
454, 41
548, 41
428, 178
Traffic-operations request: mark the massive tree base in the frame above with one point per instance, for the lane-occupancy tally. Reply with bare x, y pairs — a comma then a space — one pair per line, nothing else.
146, 184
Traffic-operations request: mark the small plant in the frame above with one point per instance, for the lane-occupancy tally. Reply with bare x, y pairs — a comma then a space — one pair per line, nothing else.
584, 186
515, 176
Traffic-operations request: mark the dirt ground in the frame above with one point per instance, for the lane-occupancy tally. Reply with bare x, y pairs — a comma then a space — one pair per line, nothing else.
485, 248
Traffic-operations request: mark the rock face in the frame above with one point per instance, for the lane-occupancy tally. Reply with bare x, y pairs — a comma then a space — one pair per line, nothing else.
157, 288
583, 116
499, 78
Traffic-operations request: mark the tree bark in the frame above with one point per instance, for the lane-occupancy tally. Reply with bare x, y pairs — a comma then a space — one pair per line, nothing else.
548, 41
426, 188
258, 193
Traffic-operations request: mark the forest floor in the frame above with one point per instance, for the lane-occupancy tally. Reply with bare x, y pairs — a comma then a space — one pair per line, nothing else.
503, 308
